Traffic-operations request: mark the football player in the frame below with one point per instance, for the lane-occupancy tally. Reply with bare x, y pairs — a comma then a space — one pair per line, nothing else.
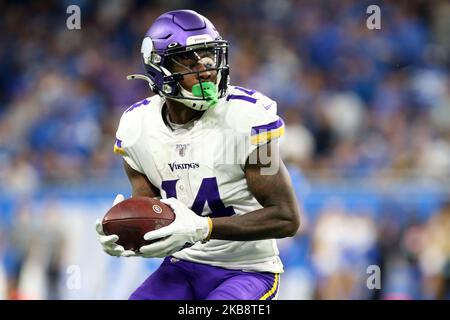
209, 150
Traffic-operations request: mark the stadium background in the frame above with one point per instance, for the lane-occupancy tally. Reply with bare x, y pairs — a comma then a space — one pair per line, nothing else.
367, 140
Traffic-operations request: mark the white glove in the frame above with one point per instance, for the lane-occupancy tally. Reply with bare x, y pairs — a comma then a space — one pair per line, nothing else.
187, 229
108, 243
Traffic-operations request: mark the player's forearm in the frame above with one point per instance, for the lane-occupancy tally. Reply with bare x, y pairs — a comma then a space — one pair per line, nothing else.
267, 223
140, 184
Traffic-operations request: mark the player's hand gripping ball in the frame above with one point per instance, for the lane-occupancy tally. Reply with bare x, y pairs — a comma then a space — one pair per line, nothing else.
132, 218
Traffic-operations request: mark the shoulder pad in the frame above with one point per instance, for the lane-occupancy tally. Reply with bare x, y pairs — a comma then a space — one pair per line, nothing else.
252, 113
130, 126
243, 96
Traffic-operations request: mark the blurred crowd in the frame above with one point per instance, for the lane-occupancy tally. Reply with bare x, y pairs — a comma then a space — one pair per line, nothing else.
347, 254
358, 104
357, 101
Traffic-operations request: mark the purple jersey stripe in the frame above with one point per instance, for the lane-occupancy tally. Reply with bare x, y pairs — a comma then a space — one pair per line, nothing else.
241, 97
267, 127
119, 143
138, 104
247, 91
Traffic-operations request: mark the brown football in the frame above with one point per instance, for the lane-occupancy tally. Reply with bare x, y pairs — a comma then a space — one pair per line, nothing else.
132, 218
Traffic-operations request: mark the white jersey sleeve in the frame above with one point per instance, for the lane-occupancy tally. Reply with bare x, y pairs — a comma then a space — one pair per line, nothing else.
254, 116
128, 134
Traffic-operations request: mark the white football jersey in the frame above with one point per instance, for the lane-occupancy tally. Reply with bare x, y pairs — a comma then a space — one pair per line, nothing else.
202, 165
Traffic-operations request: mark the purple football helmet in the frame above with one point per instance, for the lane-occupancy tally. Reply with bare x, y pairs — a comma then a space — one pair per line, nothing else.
183, 33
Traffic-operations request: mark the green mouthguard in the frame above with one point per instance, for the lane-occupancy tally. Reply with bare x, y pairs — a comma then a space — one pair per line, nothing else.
209, 91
